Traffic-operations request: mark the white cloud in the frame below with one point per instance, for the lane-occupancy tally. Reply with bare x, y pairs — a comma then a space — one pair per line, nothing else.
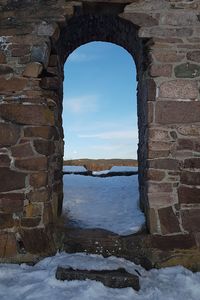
80, 57
113, 135
82, 104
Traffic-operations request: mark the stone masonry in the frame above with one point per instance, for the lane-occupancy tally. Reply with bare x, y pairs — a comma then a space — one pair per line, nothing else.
36, 37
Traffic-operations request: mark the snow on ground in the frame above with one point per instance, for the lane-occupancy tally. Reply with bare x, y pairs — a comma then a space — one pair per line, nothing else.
38, 282
74, 169
110, 203
101, 172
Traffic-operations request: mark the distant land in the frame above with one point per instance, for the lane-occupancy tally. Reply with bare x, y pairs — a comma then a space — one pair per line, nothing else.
100, 164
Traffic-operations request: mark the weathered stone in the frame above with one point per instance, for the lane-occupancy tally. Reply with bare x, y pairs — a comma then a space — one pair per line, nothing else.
190, 178
189, 144
2, 58
30, 222
53, 60
22, 150
194, 56
161, 70
158, 154
192, 163
187, 70
16, 180
8, 245
38, 179
6, 221
191, 219
48, 213
4, 69
19, 50
152, 221
151, 90
185, 18
27, 114
39, 195
168, 221
190, 130
140, 19
188, 195
41, 54
44, 147
45, 132
11, 202
37, 240
159, 134
12, 85
35, 163
155, 175
119, 278
33, 70
166, 112
154, 187
159, 199
4, 160
167, 56
165, 164
33, 210
51, 83
9, 134
179, 89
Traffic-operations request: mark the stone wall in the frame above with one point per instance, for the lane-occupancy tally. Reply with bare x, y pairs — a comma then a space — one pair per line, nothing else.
36, 38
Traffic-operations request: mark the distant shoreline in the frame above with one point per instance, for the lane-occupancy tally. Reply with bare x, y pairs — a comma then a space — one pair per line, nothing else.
100, 164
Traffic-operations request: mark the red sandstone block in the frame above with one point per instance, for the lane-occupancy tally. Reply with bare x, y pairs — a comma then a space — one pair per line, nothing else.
45, 132
167, 56
155, 175
22, 150
191, 219
12, 202
159, 199
164, 187
161, 70
179, 89
38, 179
12, 85
27, 114
191, 163
11, 180
168, 221
44, 147
190, 178
9, 134
188, 195
174, 112
165, 164
35, 163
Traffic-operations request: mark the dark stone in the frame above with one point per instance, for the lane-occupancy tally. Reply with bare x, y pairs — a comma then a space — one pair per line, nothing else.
9, 134
44, 147
188, 195
194, 56
191, 219
30, 222
4, 69
168, 220
165, 164
40, 54
192, 163
187, 70
4, 160
6, 221
12, 202
45, 132
190, 178
172, 242
119, 278
22, 150
11, 180
35, 163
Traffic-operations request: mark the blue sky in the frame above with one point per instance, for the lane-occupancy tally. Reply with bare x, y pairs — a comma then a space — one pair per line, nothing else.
99, 106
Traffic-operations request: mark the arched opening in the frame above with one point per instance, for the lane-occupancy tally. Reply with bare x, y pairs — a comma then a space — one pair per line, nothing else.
100, 123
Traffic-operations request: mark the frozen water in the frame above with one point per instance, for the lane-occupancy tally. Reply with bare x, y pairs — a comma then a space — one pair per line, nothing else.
74, 169
110, 203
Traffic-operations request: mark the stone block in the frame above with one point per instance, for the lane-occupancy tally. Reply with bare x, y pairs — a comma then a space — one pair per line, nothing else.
11, 180
176, 112
51, 83
33, 70
33, 210
140, 19
161, 187
165, 164
45, 132
189, 130
2, 58
9, 134
6, 221
155, 175
159, 199
27, 114
22, 150
167, 56
39, 195
194, 56
191, 219
13, 84
192, 163
8, 245
30, 222
38, 180
4, 160
188, 195
161, 70
189, 144
187, 70
190, 178
11, 202
4, 70
158, 134
40, 53
18, 50
179, 89
44, 147
168, 221
35, 163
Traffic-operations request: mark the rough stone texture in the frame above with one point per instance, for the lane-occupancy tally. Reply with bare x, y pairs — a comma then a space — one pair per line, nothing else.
163, 38
119, 278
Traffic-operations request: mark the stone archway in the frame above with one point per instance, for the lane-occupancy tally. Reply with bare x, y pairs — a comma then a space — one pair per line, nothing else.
34, 44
